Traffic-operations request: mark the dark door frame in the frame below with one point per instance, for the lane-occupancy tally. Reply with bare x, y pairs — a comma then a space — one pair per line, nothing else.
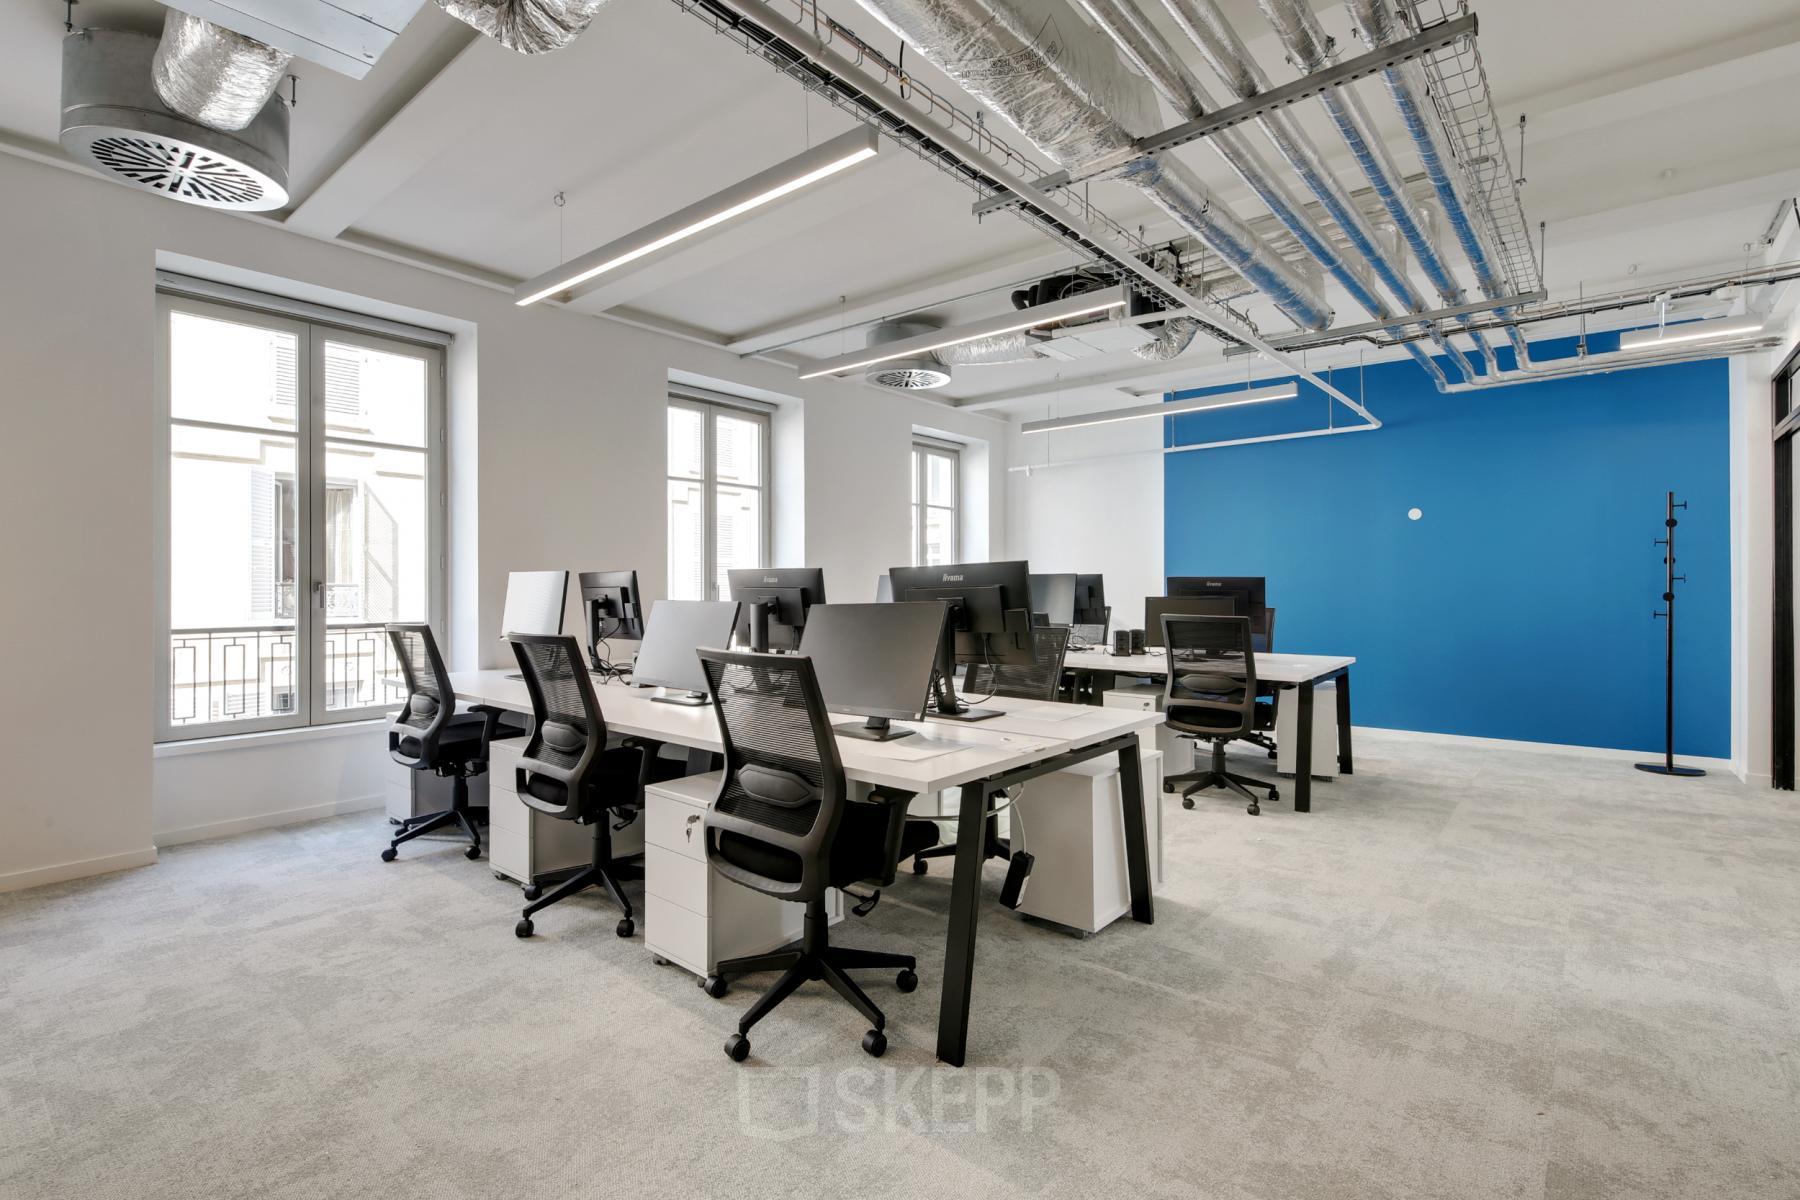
1787, 422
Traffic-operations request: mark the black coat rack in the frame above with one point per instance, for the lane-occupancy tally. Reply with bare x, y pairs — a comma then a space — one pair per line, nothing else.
1667, 615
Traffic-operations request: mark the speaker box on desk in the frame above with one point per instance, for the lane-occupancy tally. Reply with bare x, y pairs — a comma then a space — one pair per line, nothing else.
1121, 642
1137, 641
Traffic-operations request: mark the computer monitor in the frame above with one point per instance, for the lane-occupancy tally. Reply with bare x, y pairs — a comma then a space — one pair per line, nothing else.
1155, 607
614, 608
1054, 596
875, 661
884, 589
676, 629
1090, 600
989, 621
534, 602
1251, 591
773, 604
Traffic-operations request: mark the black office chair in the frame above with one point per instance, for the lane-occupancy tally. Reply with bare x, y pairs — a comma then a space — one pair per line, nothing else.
783, 824
568, 772
428, 734
1211, 696
1042, 680
1268, 696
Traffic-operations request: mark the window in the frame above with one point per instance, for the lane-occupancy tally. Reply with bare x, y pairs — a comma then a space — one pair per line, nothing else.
718, 496
300, 509
937, 467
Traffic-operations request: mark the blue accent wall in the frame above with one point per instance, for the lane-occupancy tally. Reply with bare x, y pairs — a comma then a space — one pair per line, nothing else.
1520, 605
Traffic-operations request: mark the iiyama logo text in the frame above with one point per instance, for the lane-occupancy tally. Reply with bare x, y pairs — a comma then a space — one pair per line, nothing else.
953, 579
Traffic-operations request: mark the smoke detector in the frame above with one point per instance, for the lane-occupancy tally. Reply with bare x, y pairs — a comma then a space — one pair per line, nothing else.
913, 374
114, 122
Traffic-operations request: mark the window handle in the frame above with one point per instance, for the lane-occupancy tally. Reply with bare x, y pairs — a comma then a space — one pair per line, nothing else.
319, 593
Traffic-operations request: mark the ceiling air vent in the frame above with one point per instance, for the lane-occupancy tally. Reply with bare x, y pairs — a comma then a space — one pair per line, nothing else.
113, 121
913, 374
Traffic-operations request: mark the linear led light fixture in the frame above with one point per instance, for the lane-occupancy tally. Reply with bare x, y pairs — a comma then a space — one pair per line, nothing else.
1012, 322
1279, 391
1692, 331
821, 162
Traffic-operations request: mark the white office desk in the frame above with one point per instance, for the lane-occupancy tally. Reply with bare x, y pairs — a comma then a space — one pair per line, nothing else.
1300, 672
977, 758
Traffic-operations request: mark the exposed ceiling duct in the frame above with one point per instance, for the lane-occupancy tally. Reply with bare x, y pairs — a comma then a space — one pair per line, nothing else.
1039, 66
994, 350
528, 26
114, 121
1175, 336
1207, 28
915, 374
211, 75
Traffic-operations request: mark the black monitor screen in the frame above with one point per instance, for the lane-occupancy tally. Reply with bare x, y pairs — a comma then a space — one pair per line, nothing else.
990, 607
615, 607
1250, 589
1155, 607
1054, 596
1090, 600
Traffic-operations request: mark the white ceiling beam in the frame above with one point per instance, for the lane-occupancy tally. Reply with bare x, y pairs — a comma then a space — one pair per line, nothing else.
1003, 270
458, 102
1635, 93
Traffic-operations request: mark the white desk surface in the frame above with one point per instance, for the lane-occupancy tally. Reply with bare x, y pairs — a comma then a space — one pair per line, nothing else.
1270, 668
943, 755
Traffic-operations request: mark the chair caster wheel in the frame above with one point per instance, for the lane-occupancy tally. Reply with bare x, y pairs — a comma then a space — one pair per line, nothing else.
531, 891
389, 855
1168, 789
1271, 756
875, 1043
737, 1047
906, 980
1187, 802
625, 928
714, 986
472, 853
659, 960
920, 866
523, 928
1254, 811
1274, 796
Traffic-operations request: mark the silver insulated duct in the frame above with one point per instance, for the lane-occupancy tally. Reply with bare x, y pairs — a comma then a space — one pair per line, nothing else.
114, 122
994, 350
1062, 86
211, 75
528, 26
915, 374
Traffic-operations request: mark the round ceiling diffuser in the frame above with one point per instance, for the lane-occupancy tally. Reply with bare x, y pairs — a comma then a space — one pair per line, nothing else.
912, 374
113, 121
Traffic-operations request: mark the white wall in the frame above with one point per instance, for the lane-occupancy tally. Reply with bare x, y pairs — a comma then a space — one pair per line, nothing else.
556, 459
206, 791
1105, 515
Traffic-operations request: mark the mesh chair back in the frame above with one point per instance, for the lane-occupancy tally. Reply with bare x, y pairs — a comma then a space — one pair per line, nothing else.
1211, 686
430, 701
782, 795
568, 731
1039, 681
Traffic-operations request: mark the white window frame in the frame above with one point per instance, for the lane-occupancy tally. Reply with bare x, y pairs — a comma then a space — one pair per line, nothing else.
924, 449
310, 632
710, 411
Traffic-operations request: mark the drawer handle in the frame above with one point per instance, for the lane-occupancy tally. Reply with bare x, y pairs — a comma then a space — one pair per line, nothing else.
690, 826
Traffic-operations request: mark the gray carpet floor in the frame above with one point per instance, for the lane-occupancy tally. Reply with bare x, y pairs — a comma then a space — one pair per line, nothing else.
1468, 973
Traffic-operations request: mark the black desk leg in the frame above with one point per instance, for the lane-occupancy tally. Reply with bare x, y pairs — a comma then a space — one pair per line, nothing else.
1303, 751
1343, 693
965, 908
1137, 845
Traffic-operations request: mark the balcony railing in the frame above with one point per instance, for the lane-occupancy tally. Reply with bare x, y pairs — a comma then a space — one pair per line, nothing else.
250, 672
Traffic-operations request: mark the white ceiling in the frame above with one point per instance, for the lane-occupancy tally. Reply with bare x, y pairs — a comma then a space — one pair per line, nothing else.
1661, 136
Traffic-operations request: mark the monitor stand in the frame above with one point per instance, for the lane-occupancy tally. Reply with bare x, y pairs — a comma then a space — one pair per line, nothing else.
945, 703
683, 698
875, 729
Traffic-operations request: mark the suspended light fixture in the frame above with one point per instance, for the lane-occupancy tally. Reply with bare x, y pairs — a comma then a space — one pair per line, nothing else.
1279, 391
1689, 331
783, 179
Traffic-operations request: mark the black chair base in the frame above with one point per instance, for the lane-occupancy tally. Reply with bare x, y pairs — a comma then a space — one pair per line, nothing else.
814, 958
459, 812
603, 872
995, 847
1218, 777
